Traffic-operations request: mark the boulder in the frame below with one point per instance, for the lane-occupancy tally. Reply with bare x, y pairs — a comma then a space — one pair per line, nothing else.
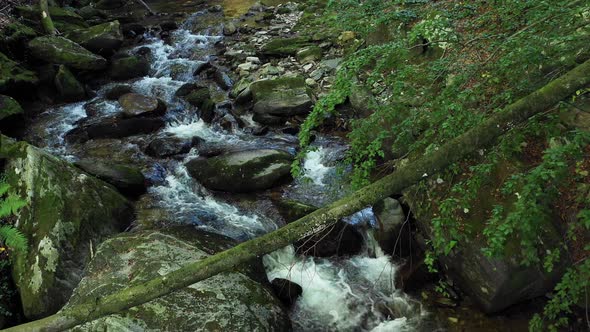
282, 97
9, 107
13, 76
134, 104
229, 29
222, 79
244, 171
231, 301
117, 91
309, 54
162, 147
285, 46
286, 290
59, 50
341, 239
109, 4
14, 37
200, 97
64, 20
128, 179
68, 86
126, 68
67, 214
103, 39
115, 128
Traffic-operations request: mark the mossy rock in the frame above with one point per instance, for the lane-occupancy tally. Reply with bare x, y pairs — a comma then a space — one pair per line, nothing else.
285, 46
59, 50
494, 283
309, 54
129, 67
102, 39
13, 76
14, 37
292, 210
69, 88
283, 97
229, 301
67, 213
9, 107
64, 20
244, 171
128, 179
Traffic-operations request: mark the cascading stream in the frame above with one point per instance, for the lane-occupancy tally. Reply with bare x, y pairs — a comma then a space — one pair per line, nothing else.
339, 294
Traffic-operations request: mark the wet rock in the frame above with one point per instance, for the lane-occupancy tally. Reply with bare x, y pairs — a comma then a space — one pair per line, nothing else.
244, 171
117, 91
14, 37
59, 50
127, 179
390, 233
115, 128
309, 54
285, 46
269, 120
9, 107
103, 39
109, 4
168, 26
229, 301
292, 210
163, 147
341, 239
260, 131
286, 290
69, 88
13, 76
281, 97
133, 29
201, 67
223, 80
134, 104
200, 97
129, 67
67, 212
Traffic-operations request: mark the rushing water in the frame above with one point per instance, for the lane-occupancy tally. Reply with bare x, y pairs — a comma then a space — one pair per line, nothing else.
339, 294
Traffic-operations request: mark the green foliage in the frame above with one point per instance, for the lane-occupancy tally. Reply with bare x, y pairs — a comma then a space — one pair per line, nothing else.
9, 205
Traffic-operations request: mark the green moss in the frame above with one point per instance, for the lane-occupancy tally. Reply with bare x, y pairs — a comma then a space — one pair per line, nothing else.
129, 67
285, 46
67, 85
9, 107
11, 74
60, 50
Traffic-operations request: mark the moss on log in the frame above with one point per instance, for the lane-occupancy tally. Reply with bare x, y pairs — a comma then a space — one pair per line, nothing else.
451, 152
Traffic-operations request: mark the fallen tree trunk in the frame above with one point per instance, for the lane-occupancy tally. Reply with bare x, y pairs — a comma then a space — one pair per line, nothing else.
420, 169
46, 20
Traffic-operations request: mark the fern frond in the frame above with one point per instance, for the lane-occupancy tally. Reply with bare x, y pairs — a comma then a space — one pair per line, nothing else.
13, 238
10, 205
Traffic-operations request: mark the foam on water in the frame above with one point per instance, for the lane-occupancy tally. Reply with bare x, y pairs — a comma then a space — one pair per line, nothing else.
314, 168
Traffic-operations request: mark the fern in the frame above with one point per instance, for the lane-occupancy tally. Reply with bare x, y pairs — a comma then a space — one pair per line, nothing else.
13, 238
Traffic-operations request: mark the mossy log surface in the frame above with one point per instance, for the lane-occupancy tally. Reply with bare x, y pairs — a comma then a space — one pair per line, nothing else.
402, 178
46, 21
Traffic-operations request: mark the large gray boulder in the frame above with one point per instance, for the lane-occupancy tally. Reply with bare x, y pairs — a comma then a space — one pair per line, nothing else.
230, 301
243, 171
281, 97
68, 213
59, 50
102, 39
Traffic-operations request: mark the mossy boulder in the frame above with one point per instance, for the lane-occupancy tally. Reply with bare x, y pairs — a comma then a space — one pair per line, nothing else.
494, 283
285, 46
14, 37
65, 20
125, 68
309, 54
69, 88
67, 214
244, 171
230, 301
199, 96
13, 76
9, 107
114, 127
127, 178
281, 97
59, 50
103, 39
109, 4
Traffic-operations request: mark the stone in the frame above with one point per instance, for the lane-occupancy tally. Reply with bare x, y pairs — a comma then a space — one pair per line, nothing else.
390, 233
127, 179
341, 239
64, 20
115, 128
168, 26
286, 290
68, 87
135, 104
129, 67
223, 80
9, 107
59, 50
109, 4
244, 171
237, 300
309, 54
283, 97
284, 46
13, 76
229, 29
253, 59
103, 39
67, 213
162, 147
115, 92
